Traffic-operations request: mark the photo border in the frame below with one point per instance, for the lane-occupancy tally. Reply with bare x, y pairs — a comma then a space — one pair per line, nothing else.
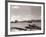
6, 17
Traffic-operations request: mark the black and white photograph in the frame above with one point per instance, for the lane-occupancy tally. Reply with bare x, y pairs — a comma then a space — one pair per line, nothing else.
24, 18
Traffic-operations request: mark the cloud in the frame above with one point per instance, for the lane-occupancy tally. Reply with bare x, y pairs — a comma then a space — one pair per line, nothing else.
20, 18
15, 7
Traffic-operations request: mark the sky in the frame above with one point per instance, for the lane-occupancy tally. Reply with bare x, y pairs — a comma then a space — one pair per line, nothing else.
20, 13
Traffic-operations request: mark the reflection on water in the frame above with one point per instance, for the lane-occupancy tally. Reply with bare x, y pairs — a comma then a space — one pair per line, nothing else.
23, 25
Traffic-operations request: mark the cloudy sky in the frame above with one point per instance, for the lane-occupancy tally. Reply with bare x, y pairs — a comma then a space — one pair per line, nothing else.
19, 12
